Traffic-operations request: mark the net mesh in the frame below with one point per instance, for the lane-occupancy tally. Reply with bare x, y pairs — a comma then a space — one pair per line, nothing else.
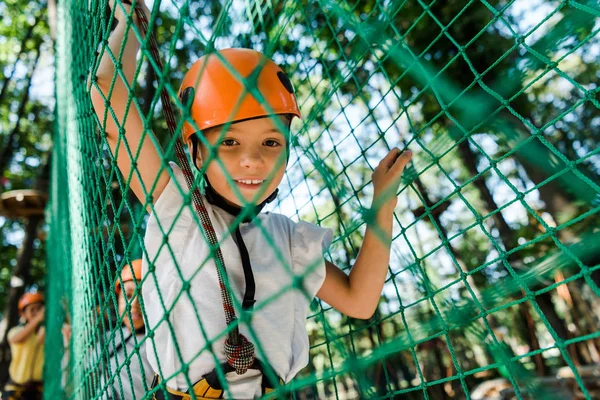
493, 274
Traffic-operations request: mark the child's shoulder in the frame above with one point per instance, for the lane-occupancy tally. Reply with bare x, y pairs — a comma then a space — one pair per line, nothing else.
177, 185
299, 231
278, 222
14, 330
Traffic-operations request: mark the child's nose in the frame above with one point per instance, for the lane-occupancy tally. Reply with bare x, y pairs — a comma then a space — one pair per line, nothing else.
251, 159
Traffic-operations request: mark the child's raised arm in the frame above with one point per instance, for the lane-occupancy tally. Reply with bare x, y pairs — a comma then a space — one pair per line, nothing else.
148, 163
358, 294
30, 327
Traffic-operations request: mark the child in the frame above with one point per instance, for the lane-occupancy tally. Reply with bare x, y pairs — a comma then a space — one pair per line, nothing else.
135, 373
27, 349
262, 254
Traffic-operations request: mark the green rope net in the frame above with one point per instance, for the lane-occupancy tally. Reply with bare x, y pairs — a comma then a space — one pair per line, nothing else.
494, 267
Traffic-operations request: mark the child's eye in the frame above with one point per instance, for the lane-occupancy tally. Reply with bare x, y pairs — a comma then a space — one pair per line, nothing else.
228, 142
271, 143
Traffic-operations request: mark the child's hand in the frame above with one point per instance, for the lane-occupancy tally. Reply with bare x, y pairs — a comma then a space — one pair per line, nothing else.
39, 317
386, 178
66, 331
121, 16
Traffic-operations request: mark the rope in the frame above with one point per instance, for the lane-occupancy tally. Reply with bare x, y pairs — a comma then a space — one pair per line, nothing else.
238, 350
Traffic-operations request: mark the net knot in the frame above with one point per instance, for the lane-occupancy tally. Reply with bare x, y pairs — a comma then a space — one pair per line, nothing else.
240, 356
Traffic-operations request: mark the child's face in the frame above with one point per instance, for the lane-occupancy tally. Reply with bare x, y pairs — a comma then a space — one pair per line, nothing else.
32, 310
253, 153
137, 318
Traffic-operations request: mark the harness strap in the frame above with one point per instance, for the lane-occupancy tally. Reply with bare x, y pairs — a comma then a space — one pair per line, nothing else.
248, 302
209, 387
16, 391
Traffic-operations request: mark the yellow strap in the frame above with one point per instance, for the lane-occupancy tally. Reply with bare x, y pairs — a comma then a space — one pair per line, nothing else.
204, 391
202, 388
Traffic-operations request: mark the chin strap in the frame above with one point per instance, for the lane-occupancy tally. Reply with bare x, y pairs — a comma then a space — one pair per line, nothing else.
216, 199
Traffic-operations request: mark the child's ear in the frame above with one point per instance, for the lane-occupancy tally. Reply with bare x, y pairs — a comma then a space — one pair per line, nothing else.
195, 153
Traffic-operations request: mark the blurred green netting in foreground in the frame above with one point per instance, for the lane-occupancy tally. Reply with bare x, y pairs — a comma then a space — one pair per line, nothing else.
493, 278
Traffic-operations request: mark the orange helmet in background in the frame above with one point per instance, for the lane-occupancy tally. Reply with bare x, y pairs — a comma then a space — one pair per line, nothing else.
30, 298
216, 92
130, 272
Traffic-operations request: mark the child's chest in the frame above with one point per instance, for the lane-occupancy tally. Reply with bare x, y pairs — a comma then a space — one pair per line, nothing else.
269, 253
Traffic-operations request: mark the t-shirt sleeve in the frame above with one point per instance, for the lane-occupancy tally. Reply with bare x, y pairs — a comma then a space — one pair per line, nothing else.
168, 229
13, 331
309, 242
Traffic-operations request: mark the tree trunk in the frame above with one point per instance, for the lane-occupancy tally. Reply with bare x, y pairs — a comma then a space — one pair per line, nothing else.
560, 194
541, 367
528, 338
544, 301
581, 316
52, 19
11, 143
469, 159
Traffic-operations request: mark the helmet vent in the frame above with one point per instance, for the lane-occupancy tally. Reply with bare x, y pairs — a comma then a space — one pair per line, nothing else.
285, 81
185, 96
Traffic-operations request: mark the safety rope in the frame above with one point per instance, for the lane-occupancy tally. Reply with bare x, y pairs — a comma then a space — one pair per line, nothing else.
238, 349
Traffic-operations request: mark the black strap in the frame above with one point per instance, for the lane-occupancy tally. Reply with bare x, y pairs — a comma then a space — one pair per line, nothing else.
163, 393
248, 302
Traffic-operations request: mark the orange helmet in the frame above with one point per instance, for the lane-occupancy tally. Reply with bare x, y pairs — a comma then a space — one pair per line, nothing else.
30, 298
126, 274
217, 93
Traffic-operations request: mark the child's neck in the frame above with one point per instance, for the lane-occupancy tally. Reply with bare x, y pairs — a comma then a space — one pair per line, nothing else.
214, 198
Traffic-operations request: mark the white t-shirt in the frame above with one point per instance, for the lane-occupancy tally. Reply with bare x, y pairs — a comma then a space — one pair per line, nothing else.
184, 321
129, 374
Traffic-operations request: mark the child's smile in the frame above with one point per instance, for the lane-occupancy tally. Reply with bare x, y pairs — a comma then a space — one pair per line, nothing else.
249, 183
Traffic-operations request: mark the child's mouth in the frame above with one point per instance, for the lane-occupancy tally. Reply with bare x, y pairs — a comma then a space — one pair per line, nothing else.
249, 183
136, 316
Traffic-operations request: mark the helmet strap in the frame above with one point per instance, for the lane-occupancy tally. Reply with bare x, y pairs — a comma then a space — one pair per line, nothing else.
195, 151
216, 199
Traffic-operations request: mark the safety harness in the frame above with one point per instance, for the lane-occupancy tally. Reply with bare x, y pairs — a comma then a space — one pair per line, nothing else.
33, 390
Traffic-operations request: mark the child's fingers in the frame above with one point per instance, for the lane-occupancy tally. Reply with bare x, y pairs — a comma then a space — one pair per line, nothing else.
124, 8
387, 161
119, 14
400, 162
